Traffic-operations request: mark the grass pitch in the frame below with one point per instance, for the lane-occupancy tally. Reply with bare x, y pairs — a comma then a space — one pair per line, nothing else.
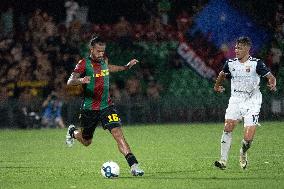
172, 156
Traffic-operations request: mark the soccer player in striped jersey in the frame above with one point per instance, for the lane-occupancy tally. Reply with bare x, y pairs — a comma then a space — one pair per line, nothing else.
244, 72
93, 73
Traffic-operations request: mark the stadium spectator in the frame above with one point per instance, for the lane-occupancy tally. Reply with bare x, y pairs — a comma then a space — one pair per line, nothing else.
122, 31
83, 11
72, 8
279, 34
139, 32
133, 87
153, 90
3, 94
16, 52
246, 98
117, 94
279, 15
155, 30
27, 44
35, 21
184, 21
49, 26
93, 73
276, 54
52, 111
149, 9
164, 7
7, 18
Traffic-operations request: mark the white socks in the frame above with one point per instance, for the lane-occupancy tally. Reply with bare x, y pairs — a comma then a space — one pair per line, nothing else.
226, 140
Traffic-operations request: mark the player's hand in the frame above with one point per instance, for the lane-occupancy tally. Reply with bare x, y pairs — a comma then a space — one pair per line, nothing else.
272, 87
219, 89
131, 63
85, 79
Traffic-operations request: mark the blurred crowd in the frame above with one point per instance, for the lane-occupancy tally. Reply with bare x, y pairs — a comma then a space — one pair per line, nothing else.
37, 53
276, 49
38, 58
273, 52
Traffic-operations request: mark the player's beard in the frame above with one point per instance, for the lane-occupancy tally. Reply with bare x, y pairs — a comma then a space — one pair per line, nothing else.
98, 59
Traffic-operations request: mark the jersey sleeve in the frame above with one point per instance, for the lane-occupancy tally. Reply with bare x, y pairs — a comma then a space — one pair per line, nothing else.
261, 69
80, 67
226, 69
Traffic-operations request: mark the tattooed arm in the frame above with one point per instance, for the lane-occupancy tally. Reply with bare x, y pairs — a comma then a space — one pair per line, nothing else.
75, 79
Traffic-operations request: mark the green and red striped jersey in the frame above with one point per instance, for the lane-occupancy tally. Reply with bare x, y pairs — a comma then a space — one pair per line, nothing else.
96, 93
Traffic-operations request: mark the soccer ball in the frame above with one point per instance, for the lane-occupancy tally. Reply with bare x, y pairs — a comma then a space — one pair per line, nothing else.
110, 169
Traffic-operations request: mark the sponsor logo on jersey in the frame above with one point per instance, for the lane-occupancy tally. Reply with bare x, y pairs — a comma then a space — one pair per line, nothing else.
103, 73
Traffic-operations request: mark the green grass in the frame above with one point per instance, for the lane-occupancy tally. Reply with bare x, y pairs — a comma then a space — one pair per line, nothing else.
172, 156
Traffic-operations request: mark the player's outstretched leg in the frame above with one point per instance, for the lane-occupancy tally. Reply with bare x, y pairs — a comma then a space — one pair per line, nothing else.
125, 150
70, 135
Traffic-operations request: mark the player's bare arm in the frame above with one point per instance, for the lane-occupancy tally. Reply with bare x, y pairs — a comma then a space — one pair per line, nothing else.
219, 82
116, 68
75, 79
271, 82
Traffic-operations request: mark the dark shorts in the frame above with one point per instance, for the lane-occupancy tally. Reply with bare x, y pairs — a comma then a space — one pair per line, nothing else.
89, 120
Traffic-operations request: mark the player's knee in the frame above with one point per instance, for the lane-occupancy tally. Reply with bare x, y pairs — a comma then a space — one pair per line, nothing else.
248, 138
229, 126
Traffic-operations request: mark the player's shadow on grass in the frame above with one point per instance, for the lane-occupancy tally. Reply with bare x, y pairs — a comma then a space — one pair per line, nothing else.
185, 175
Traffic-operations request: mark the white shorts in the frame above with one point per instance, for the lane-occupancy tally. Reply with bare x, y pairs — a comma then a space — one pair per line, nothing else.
246, 108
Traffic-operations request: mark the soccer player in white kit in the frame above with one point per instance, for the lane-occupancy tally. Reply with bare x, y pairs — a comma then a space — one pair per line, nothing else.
246, 98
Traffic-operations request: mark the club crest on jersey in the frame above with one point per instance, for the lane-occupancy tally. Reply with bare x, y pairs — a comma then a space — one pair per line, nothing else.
247, 68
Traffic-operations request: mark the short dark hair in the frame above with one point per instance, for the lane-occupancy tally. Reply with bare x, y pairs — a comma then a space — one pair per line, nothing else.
244, 40
96, 39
